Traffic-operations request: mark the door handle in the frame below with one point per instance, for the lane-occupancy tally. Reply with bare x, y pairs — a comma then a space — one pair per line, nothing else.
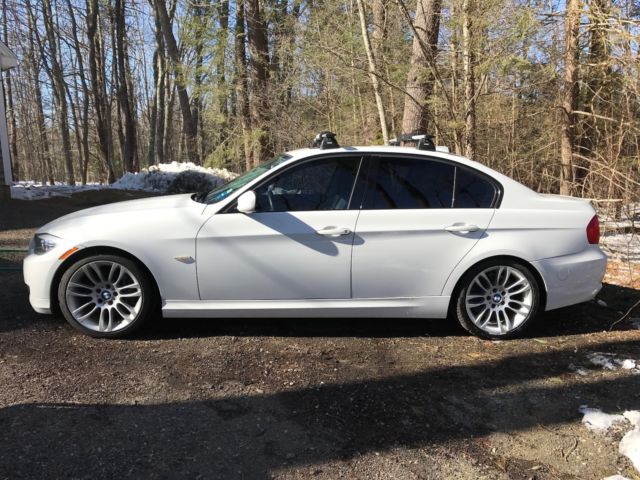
462, 227
333, 231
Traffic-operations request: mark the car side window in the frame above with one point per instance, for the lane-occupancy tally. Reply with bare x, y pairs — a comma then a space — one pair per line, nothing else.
409, 183
324, 184
472, 191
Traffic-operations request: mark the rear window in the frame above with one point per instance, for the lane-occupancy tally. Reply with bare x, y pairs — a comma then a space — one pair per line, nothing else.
472, 190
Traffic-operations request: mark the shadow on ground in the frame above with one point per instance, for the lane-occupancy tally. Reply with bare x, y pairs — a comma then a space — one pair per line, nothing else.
251, 436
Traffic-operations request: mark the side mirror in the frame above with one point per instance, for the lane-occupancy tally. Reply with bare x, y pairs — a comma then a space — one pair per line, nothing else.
247, 202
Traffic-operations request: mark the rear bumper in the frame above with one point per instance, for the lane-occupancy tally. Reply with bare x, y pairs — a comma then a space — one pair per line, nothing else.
572, 279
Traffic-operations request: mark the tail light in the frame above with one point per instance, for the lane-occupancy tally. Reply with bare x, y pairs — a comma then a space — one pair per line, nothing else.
593, 231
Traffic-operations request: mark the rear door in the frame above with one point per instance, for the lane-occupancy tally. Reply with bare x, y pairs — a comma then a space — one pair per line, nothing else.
419, 217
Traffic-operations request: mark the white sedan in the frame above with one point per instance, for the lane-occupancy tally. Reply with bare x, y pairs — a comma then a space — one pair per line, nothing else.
325, 232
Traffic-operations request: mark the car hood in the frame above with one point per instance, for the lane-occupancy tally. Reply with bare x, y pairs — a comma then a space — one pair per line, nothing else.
142, 209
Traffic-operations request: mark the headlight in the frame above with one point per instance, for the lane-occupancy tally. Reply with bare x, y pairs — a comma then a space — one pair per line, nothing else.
42, 243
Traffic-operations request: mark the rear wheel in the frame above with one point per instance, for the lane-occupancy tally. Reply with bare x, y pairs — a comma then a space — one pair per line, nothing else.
106, 296
498, 299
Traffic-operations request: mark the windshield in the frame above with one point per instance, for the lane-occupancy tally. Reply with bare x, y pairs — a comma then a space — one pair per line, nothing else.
228, 188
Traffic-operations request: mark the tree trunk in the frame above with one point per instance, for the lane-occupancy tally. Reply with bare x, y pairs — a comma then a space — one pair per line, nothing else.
241, 83
468, 55
130, 146
419, 80
223, 35
189, 123
569, 95
44, 151
99, 89
596, 96
373, 73
11, 114
84, 118
259, 59
59, 90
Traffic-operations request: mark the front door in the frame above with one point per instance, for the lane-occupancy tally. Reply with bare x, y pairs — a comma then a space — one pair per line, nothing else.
297, 245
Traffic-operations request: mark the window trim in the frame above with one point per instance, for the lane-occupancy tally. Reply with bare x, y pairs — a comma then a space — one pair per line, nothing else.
498, 189
231, 208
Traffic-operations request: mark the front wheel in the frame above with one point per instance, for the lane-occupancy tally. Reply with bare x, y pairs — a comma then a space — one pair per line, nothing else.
497, 300
106, 296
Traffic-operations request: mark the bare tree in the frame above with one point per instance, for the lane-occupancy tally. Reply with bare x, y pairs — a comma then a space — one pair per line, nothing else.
468, 55
420, 79
569, 94
373, 72
259, 75
101, 106
59, 88
189, 123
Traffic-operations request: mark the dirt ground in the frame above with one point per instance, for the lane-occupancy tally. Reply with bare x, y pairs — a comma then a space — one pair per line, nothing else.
290, 399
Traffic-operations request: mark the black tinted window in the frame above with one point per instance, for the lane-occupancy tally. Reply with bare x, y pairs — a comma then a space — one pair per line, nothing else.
409, 183
316, 185
472, 191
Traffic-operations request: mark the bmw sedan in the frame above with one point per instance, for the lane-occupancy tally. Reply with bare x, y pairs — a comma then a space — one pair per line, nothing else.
389, 232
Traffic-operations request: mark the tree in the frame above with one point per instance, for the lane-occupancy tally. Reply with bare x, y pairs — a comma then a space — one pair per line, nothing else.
189, 122
569, 95
97, 74
373, 72
59, 88
259, 76
129, 146
420, 80
468, 55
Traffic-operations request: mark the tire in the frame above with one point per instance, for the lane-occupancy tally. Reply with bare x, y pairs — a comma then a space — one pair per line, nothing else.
106, 296
497, 299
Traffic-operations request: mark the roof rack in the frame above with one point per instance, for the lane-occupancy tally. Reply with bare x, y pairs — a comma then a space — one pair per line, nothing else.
424, 141
325, 140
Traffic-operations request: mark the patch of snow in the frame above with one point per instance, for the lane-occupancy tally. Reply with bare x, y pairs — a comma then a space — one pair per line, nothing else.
597, 421
630, 443
623, 246
174, 177
616, 477
604, 360
36, 191
608, 362
628, 364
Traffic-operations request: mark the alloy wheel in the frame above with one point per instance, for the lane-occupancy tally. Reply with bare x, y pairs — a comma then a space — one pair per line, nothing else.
499, 299
104, 296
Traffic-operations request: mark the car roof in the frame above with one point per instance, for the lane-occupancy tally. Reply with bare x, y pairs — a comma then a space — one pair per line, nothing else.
384, 149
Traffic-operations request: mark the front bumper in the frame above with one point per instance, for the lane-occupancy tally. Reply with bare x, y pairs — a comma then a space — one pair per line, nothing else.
574, 278
38, 272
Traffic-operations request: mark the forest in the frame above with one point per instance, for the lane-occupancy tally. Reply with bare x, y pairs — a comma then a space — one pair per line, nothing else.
545, 91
